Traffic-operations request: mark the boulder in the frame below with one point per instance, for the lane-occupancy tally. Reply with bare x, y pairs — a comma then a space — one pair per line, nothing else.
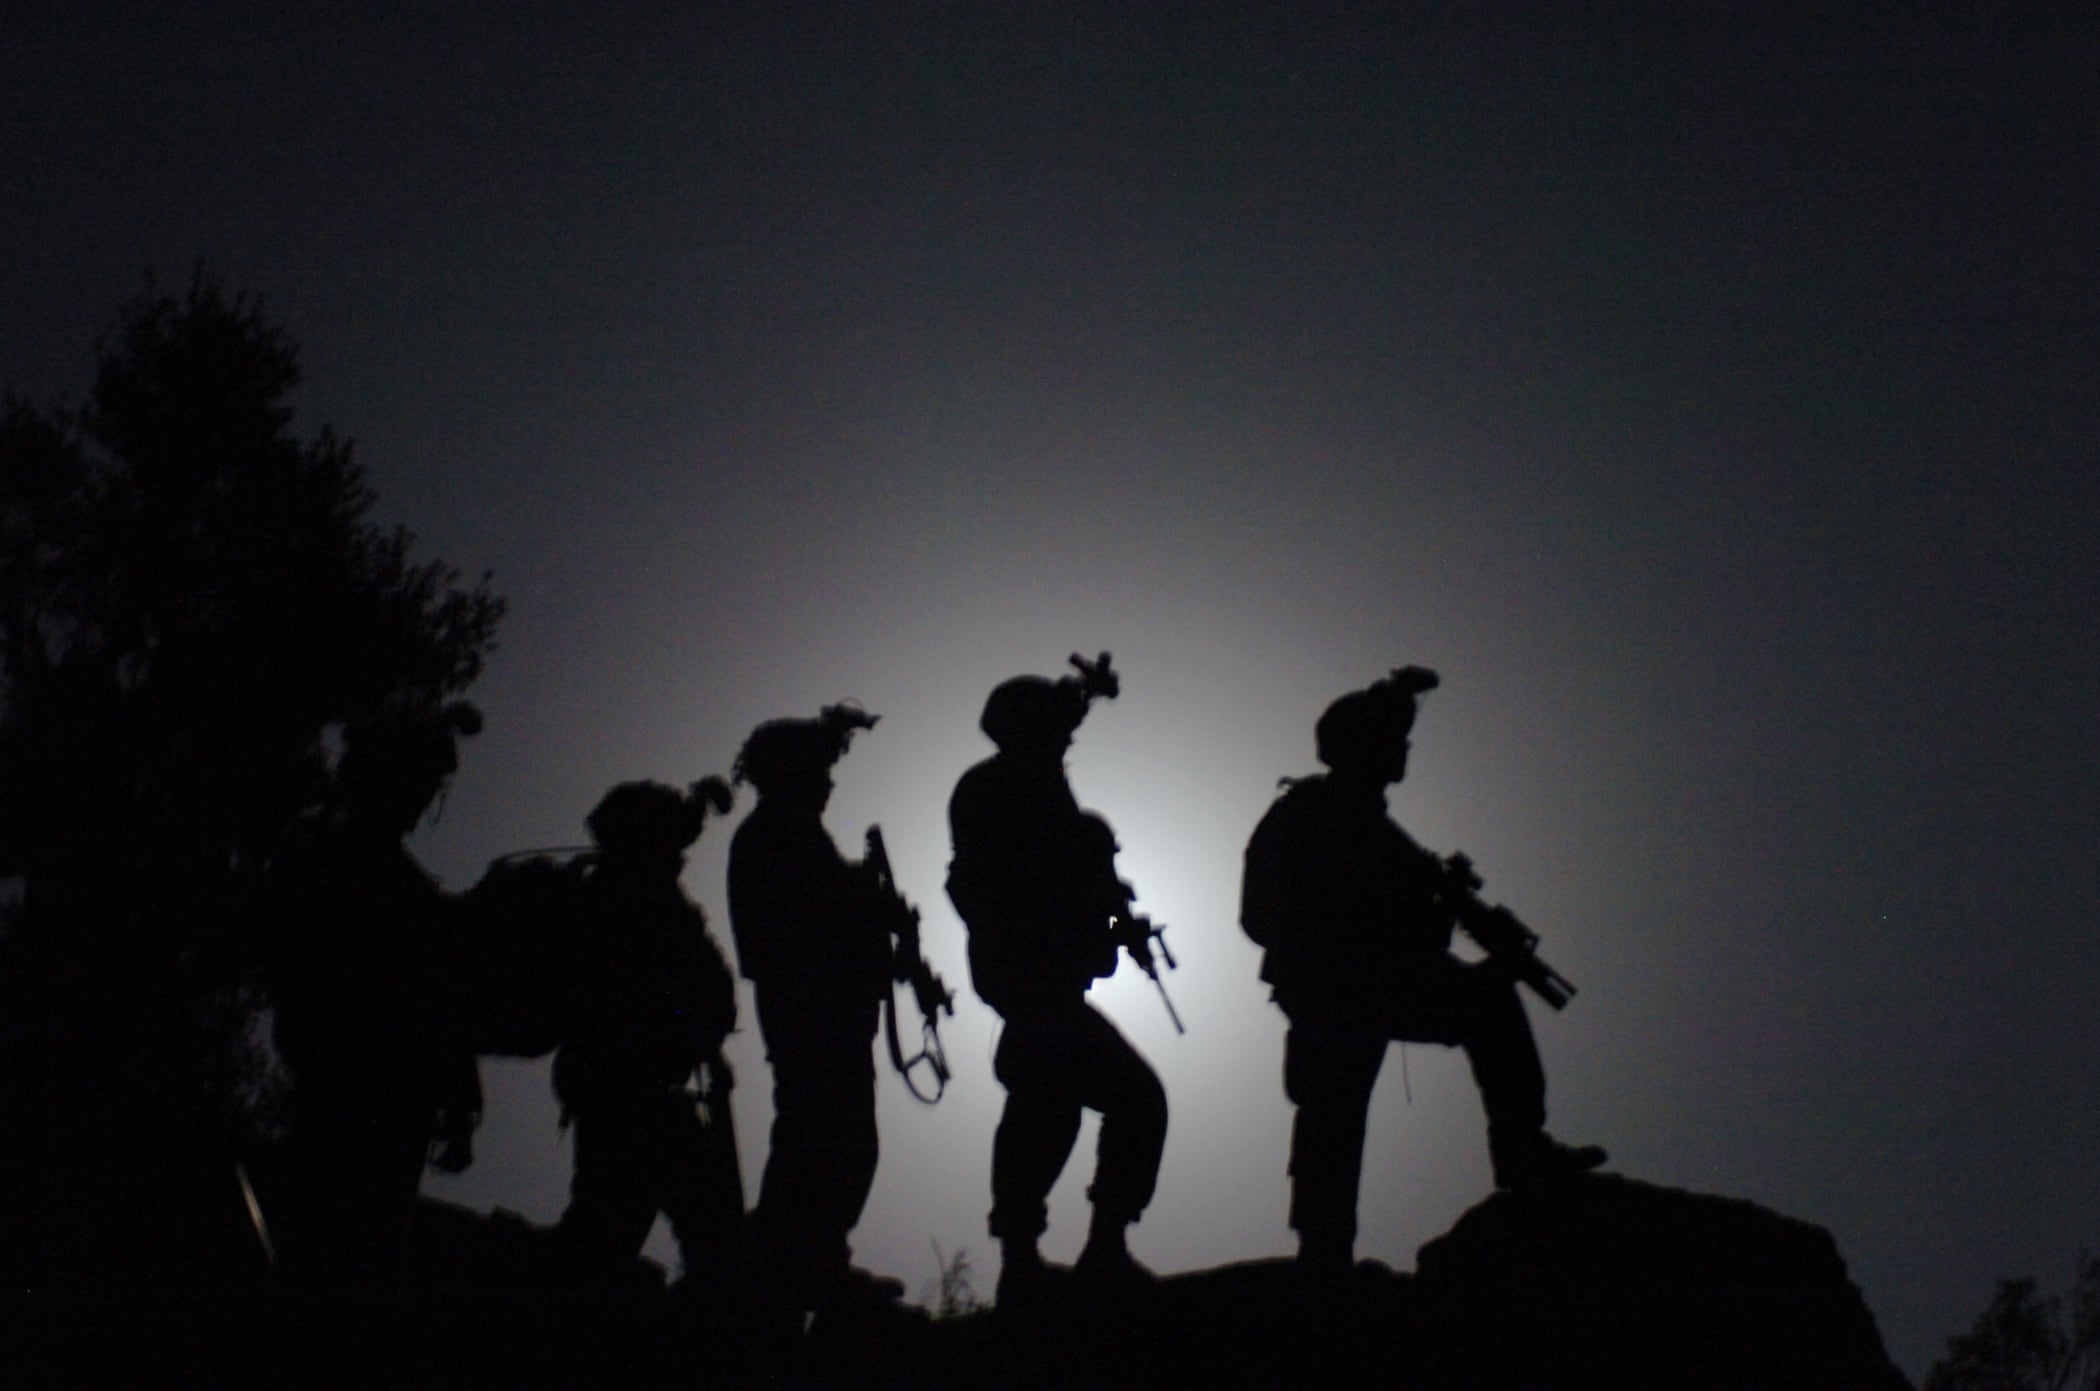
1601, 1280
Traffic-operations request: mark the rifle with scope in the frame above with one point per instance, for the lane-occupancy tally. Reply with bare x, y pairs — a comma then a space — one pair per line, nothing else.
1499, 932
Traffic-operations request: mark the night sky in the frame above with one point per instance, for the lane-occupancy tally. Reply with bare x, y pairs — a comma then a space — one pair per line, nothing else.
1711, 401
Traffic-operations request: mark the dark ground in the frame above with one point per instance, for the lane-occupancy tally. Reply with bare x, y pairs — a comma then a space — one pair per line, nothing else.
1602, 1281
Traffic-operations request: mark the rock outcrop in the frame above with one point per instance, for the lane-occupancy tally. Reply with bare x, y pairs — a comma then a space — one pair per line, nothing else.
1597, 1282
1607, 1281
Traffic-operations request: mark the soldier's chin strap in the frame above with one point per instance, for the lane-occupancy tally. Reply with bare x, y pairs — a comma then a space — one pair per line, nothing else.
930, 1053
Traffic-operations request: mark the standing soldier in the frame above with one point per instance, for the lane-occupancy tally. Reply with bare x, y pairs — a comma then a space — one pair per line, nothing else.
1034, 879
653, 1001
1356, 920
381, 1066
813, 935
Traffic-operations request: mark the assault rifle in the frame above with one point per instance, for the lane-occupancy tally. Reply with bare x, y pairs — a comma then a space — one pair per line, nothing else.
909, 966
1137, 934
1128, 929
1500, 933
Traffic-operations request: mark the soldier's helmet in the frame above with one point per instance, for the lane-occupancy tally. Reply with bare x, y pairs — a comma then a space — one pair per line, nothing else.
784, 753
395, 761
653, 818
1367, 727
1032, 711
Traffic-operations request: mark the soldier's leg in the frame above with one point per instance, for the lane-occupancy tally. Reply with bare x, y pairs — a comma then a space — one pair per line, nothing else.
1490, 1024
1477, 1007
1329, 1070
795, 1200
613, 1194
1116, 1081
706, 1212
837, 1093
358, 1164
791, 1172
856, 1146
850, 1160
824, 1149
1037, 1129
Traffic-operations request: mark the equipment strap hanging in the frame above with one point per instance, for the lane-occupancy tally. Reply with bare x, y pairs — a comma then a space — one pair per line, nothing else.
930, 1053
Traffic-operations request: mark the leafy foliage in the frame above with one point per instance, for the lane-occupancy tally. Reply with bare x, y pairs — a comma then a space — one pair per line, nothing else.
193, 603
181, 575
2024, 1341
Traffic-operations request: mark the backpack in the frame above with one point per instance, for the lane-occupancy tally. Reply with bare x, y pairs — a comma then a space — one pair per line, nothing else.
523, 935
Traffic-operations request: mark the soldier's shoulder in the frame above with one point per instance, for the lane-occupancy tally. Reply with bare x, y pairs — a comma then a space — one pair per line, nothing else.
1312, 811
983, 771
760, 826
1300, 798
790, 837
990, 783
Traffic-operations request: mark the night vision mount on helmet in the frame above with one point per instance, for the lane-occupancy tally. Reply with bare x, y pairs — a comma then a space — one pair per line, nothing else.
652, 815
1029, 709
1363, 724
783, 751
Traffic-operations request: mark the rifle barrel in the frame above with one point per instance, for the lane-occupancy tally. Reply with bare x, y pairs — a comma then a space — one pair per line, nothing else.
1172, 1013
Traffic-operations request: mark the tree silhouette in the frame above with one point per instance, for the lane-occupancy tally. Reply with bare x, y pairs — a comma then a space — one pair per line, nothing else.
2024, 1341
193, 602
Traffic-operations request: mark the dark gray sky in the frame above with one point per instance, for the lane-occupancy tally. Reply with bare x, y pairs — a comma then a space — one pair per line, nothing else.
1711, 401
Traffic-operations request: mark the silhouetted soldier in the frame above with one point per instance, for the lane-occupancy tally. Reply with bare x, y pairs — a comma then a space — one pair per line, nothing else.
359, 988
654, 1001
1357, 922
813, 937
1034, 879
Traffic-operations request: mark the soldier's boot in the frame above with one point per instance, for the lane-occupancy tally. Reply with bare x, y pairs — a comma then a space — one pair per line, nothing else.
1325, 1253
1531, 1159
861, 1288
1105, 1260
1026, 1280
854, 1303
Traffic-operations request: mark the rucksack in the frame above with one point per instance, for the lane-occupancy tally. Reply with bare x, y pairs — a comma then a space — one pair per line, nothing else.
524, 931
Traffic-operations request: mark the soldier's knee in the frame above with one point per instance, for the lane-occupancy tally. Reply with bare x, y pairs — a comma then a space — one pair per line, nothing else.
1297, 1086
1313, 1069
1148, 1100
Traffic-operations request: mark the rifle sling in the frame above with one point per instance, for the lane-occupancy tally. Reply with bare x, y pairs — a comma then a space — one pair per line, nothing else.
904, 1065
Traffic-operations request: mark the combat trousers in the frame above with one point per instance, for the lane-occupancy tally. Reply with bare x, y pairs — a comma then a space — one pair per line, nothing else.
638, 1154
824, 1146
355, 1164
1331, 1060
1055, 1063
